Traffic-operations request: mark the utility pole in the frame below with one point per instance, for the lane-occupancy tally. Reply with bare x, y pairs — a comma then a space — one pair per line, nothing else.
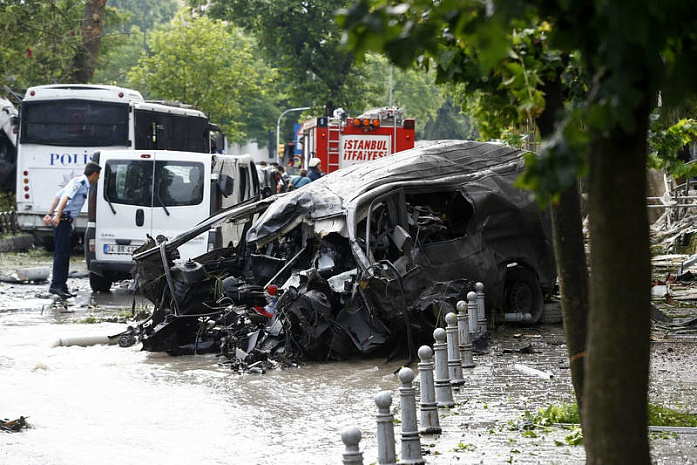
278, 128
145, 27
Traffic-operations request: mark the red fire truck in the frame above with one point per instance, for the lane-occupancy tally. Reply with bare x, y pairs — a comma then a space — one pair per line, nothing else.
342, 141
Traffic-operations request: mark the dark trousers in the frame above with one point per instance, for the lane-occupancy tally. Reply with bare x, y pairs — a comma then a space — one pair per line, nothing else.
61, 254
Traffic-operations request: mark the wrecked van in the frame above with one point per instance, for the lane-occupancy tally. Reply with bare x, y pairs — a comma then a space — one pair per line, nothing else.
369, 258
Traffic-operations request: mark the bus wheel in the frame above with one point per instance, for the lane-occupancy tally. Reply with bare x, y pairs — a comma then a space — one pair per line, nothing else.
522, 293
99, 283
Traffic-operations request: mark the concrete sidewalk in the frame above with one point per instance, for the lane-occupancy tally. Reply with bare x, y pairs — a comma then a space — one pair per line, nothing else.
489, 424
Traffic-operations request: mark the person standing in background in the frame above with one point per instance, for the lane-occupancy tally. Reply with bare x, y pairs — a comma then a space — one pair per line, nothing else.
300, 180
284, 180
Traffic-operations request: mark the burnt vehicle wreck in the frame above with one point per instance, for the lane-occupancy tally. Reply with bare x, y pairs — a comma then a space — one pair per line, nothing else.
368, 259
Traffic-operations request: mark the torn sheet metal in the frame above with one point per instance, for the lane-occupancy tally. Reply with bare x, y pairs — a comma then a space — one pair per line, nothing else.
367, 259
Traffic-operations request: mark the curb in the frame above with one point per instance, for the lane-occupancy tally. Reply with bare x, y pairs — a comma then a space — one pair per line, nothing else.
18, 243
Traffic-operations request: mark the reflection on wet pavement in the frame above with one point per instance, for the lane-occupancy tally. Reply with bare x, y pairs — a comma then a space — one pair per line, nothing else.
112, 405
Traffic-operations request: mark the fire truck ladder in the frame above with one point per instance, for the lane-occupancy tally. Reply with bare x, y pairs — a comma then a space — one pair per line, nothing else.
333, 133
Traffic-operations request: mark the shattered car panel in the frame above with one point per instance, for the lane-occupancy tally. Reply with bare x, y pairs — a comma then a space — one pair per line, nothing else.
371, 257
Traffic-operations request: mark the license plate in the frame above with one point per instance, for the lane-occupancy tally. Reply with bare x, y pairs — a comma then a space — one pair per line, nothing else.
119, 249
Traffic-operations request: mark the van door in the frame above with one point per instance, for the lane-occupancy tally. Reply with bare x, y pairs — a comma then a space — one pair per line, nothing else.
246, 188
124, 200
181, 198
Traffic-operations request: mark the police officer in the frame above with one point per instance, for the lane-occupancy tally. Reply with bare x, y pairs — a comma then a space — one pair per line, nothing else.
64, 209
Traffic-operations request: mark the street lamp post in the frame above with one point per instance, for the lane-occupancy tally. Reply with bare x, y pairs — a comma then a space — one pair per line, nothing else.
278, 128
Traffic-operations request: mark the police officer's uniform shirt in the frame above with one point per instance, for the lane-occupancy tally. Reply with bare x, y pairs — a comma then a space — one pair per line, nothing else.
76, 190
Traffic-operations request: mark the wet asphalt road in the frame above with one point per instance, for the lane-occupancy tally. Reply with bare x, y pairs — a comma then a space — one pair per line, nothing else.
116, 405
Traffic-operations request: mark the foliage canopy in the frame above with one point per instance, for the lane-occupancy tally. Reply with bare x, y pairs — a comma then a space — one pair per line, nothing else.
207, 64
38, 40
302, 40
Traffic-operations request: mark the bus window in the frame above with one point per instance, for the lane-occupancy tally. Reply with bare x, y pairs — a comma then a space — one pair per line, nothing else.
163, 131
75, 123
128, 182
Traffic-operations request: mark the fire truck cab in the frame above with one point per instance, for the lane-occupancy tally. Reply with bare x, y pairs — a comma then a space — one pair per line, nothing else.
340, 141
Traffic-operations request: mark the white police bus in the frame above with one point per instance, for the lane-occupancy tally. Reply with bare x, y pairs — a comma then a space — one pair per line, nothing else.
62, 125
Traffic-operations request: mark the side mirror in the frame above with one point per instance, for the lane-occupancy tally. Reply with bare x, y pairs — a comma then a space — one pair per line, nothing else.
226, 184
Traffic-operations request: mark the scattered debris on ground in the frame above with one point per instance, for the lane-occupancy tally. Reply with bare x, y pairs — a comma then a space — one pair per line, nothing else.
14, 426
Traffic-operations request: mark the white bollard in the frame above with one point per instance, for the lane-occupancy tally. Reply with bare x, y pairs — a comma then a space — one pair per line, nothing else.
481, 309
444, 391
428, 406
454, 363
472, 316
463, 309
351, 436
411, 442
385, 432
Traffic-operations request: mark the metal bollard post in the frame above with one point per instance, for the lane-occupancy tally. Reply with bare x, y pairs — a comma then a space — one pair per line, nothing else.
411, 443
472, 319
351, 436
454, 363
385, 432
472, 308
444, 391
481, 310
463, 309
428, 406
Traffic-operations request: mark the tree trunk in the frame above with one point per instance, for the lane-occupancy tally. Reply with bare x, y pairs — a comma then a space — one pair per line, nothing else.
617, 356
572, 274
569, 252
85, 60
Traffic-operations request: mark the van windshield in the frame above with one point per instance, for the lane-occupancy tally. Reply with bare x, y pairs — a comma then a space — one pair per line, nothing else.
178, 183
128, 182
145, 183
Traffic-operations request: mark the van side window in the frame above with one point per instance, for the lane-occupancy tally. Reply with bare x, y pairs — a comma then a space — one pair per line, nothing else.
244, 189
178, 183
128, 182
440, 216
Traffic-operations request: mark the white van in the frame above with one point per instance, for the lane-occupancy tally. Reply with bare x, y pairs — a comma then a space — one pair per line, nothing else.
154, 193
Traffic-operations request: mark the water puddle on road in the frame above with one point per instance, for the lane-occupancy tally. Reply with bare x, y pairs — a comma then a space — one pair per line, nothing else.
106, 404
112, 405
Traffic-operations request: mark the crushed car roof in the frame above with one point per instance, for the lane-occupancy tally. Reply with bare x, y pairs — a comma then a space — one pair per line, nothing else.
441, 162
433, 163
